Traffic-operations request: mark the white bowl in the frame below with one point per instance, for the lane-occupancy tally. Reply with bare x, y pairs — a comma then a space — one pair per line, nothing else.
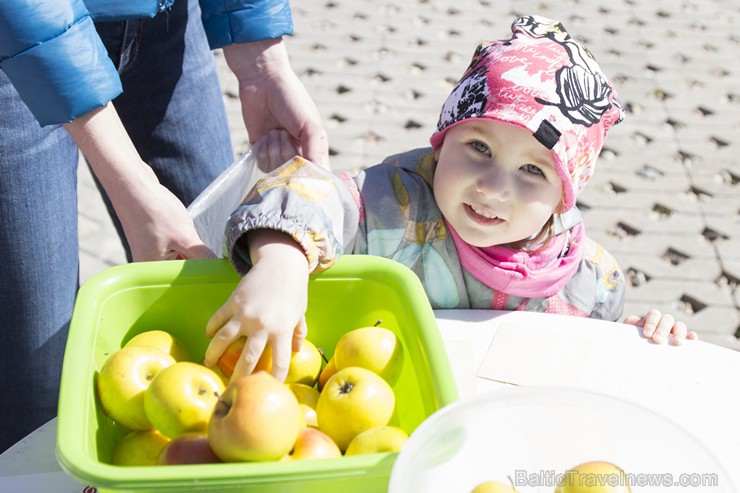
533, 435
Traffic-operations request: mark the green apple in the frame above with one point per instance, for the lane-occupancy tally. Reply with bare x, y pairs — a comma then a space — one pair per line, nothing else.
181, 398
493, 487
312, 443
188, 448
377, 440
256, 419
123, 380
594, 477
353, 400
161, 340
307, 397
375, 348
139, 448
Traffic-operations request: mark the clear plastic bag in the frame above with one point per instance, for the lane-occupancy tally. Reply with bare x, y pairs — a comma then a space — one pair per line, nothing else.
212, 208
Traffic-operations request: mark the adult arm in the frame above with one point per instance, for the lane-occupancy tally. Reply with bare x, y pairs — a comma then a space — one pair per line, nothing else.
156, 224
272, 97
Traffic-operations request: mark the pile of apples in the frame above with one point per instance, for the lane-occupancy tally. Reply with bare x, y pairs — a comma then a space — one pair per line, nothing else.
589, 477
182, 412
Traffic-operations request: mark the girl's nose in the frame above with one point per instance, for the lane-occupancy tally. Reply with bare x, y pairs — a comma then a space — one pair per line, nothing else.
493, 184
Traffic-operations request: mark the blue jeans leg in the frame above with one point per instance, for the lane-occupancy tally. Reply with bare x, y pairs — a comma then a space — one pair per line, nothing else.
38, 263
173, 109
171, 105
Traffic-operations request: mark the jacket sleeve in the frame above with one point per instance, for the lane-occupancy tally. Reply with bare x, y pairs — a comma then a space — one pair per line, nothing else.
51, 52
610, 285
243, 21
307, 202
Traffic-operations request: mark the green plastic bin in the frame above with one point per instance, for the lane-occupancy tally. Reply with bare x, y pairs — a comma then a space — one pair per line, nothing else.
180, 297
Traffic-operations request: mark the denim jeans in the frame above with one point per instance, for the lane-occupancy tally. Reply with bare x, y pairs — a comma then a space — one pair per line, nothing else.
173, 110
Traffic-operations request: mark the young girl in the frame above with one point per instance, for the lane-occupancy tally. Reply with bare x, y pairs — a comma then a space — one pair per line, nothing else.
486, 218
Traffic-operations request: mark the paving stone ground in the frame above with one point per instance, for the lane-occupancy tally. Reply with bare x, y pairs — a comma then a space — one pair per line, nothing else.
665, 198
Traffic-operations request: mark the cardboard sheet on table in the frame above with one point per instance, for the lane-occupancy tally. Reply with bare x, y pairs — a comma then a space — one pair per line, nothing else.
532, 355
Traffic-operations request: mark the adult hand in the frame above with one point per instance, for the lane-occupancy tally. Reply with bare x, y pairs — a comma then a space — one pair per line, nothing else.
273, 98
156, 223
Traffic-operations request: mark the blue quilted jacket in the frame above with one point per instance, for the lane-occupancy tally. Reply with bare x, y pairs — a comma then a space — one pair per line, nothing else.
50, 51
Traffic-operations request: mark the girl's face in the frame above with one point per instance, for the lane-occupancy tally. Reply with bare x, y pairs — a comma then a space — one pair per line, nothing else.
495, 183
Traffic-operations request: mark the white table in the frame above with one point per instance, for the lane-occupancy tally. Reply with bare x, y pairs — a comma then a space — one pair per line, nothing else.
696, 385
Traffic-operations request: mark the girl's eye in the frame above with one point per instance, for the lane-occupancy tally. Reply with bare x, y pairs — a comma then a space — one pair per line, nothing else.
533, 169
481, 147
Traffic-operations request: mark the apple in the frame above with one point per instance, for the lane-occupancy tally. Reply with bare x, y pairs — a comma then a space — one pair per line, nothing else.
181, 398
307, 398
493, 487
329, 370
161, 340
377, 440
312, 443
353, 400
594, 477
375, 348
188, 448
305, 364
123, 380
139, 448
256, 419
227, 362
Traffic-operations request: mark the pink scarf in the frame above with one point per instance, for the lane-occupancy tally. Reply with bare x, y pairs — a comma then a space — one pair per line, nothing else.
537, 274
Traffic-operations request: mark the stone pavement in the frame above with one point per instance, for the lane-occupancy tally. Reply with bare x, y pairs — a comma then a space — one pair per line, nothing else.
665, 199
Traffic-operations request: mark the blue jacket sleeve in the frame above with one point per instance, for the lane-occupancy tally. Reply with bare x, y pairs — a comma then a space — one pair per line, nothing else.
50, 51
243, 21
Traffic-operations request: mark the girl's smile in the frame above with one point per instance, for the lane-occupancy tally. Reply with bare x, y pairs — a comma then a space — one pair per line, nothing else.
482, 215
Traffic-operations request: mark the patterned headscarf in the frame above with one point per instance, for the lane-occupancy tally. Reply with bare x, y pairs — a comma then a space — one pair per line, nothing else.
542, 80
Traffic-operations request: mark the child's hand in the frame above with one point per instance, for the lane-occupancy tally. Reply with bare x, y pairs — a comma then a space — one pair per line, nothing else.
657, 326
267, 306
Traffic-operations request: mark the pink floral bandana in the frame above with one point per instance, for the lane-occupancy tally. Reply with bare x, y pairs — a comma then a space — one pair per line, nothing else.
542, 80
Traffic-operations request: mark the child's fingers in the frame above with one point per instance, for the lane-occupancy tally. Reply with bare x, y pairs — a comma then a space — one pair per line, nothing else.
650, 323
299, 334
692, 336
633, 320
664, 327
218, 320
253, 349
221, 341
680, 333
281, 354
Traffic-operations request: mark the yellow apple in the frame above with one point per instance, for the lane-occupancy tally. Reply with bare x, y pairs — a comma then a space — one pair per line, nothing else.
307, 397
353, 400
256, 419
124, 378
181, 398
161, 340
375, 348
493, 487
305, 364
329, 370
188, 448
314, 444
139, 448
594, 477
376, 440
